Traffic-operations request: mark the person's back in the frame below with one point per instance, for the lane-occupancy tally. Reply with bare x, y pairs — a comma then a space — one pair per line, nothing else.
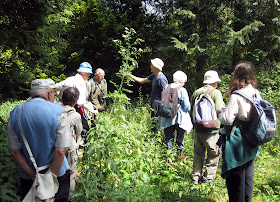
38, 120
69, 100
206, 141
47, 131
238, 154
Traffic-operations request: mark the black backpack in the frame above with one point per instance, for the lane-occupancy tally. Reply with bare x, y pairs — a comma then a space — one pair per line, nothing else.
168, 106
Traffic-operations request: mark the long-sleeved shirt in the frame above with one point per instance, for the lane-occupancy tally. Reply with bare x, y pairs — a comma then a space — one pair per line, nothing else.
78, 82
182, 117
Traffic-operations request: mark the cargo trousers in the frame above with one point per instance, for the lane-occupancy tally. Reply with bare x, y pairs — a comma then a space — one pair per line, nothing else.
205, 142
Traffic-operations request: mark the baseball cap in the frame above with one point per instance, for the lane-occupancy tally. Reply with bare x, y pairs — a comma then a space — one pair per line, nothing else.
42, 84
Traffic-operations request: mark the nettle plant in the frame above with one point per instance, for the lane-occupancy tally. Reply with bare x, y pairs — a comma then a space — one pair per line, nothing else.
130, 51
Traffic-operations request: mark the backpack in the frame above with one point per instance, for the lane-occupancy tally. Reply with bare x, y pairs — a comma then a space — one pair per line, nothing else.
168, 105
204, 113
261, 127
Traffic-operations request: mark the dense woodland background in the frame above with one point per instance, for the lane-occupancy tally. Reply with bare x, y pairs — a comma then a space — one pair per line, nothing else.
127, 162
41, 39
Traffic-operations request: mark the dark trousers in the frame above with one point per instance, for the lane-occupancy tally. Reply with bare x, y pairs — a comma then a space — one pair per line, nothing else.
63, 190
169, 133
240, 182
154, 115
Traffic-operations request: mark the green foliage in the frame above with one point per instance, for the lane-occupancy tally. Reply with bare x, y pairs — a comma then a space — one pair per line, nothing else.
129, 52
9, 177
31, 43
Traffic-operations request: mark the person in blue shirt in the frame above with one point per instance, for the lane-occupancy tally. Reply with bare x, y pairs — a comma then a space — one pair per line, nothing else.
159, 81
47, 130
182, 121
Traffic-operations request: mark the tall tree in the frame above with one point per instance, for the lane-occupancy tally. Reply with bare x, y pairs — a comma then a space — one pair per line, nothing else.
31, 41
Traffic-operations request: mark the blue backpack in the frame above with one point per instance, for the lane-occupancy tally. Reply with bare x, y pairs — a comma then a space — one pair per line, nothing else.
261, 127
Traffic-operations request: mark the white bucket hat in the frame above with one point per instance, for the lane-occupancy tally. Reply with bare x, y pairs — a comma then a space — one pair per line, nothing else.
158, 63
180, 76
85, 67
211, 76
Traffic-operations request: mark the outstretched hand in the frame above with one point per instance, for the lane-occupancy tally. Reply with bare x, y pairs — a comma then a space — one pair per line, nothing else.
126, 74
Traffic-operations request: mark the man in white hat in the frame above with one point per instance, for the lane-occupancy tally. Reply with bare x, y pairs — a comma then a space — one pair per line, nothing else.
80, 81
207, 141
47, 130
159, 81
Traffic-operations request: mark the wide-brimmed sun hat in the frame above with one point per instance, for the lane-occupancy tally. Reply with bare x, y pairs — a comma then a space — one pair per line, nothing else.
158, 63
85, 67
211, 76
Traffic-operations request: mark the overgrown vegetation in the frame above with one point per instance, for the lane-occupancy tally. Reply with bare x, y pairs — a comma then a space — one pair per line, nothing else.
125, 161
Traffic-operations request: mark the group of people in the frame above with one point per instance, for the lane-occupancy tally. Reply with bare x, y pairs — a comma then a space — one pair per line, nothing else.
53, 130
238, 155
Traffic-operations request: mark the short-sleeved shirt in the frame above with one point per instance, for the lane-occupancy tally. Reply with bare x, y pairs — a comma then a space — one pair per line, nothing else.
216, 96
46, 127
158, 84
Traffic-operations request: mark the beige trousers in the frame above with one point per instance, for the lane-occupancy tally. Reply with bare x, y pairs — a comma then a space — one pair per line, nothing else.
202, 143
72, 158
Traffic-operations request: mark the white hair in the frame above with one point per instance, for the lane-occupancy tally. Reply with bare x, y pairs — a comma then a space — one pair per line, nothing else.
39, 92
180, 76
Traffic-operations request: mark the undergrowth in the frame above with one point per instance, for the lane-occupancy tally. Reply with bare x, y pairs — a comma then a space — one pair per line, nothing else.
125, 161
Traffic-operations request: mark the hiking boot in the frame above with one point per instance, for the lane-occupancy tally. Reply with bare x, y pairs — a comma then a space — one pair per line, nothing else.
195, 182
205, 180
181, 157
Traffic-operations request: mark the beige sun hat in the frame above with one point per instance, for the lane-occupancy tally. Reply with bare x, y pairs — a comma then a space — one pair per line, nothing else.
211, 76
158, 63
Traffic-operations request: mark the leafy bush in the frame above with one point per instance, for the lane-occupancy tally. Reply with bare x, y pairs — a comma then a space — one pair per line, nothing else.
9, 177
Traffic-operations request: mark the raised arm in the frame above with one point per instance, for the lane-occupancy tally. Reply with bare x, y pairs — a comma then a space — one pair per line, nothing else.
137, 79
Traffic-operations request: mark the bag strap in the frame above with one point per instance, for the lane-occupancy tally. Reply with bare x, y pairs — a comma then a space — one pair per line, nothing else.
28, 147
244, 95
209, 91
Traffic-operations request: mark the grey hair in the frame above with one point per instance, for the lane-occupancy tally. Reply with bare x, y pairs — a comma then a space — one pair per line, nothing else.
99, 70
39, 92
180, 76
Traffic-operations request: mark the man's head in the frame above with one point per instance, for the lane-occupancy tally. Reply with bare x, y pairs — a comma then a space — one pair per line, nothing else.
85, 69
156, 65
43, 88
99, 75
211, 77
70, 96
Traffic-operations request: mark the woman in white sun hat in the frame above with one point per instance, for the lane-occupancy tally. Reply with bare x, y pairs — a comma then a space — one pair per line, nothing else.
159, 81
